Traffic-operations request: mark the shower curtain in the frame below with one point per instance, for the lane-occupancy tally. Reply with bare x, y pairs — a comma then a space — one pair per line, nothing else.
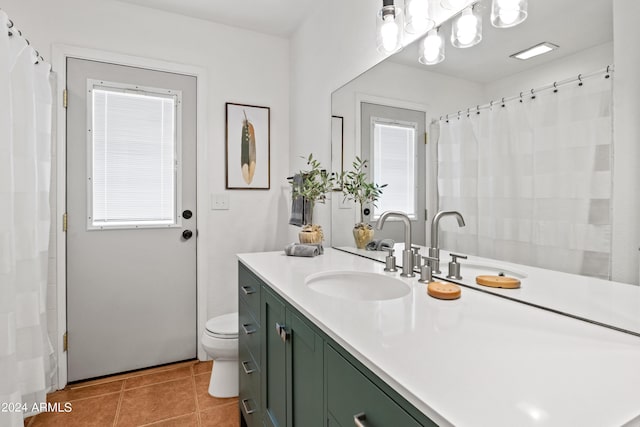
25, 165
533, 179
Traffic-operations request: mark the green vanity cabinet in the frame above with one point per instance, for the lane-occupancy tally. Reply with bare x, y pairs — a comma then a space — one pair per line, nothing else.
294, 375
293, 361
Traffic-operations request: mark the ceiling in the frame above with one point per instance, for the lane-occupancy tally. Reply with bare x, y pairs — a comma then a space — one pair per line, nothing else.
276, 17
574, 25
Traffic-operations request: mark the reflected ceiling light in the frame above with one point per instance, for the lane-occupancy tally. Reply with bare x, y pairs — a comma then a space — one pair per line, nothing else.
432, 48
508, 13
466, 30
536, 50
389, 27
453, 4
418, 18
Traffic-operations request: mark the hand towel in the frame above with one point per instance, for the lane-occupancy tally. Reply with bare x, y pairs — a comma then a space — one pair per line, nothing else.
380, 244
302, 250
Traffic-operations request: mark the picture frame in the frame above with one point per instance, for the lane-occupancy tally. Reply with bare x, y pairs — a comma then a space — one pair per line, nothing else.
247, 147
337, 143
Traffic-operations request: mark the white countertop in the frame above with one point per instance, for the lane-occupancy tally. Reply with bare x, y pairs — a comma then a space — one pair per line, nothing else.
603, 301
476, 361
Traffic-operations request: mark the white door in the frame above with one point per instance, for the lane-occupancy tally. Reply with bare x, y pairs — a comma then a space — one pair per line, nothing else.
393, 143
131, 204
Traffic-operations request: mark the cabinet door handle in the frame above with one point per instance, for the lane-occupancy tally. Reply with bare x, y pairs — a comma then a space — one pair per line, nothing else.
360, 420
282, 331
246, 408
247, 330
247, 370
248, 290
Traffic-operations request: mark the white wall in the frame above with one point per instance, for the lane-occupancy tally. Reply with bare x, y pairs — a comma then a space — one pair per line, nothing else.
626, 125
393, 82
241, 66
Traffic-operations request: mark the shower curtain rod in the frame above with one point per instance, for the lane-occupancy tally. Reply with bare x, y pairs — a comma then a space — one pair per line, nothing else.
11, 31
530, 93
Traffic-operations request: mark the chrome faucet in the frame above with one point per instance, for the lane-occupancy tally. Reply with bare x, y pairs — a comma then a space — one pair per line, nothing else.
434, 250
407, 255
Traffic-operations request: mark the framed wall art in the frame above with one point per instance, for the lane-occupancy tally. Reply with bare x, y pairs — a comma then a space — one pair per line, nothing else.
248, 160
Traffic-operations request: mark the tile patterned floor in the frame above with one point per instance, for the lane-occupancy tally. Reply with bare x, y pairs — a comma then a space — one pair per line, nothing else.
173, 395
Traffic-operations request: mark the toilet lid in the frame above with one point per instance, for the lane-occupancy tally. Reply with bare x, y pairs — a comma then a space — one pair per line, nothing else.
225, 326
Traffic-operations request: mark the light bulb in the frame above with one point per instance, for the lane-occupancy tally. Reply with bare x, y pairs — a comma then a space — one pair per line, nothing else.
389, 32
432, 48
508, 11
418, 20
467, 27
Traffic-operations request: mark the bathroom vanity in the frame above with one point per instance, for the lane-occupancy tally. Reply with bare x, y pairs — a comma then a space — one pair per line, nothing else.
313, 357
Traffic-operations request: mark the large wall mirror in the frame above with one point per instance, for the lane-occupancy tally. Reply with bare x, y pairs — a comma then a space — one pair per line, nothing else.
527, 162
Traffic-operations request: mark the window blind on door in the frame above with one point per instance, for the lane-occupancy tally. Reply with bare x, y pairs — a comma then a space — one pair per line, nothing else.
394, 163
133, 159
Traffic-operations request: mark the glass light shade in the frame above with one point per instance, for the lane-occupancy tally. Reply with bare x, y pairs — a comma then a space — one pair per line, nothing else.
418, 16
432, 48
453, 4
466, 30
508, 13
389, 29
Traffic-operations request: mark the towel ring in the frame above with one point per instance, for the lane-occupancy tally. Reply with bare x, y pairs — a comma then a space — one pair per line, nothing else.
555, 87
580, 79
521, 97
533, 94
502, 102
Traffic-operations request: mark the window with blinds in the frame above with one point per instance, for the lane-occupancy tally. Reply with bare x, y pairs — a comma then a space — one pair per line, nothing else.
394, 163
133, 161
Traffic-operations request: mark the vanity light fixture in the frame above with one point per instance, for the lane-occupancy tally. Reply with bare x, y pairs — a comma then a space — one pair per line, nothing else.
508, 13
432, 48
417, 16
466, 30
389, 28
536, 50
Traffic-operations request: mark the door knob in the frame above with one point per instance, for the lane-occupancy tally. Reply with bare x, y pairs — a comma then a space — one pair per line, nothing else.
187, 214
187, 234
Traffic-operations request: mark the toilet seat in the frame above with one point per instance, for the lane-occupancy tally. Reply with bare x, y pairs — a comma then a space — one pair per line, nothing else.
223, 327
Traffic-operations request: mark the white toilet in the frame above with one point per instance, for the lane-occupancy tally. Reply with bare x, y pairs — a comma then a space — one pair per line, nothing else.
220, 341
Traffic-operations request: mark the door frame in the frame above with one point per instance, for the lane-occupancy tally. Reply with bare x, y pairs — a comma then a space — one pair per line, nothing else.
396, 103
60, 53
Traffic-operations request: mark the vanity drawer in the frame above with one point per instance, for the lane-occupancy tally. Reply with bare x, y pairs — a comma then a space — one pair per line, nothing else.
249, 376
249, 288
350, 393
249, 331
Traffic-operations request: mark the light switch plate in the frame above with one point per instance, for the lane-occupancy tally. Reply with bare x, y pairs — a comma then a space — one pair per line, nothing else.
219, 202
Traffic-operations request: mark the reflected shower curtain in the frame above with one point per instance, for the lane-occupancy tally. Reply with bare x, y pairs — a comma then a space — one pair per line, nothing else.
533, 180
25, 162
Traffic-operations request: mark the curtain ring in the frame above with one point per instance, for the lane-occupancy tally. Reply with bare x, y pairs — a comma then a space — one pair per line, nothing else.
555, 87
580, 79
503, 101
533, 95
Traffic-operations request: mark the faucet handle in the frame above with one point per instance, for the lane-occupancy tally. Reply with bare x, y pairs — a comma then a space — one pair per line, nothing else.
390, 250
415, 249
455, 257
427, 260
390, 261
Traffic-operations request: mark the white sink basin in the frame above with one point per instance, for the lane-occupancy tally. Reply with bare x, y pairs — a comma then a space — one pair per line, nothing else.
358, 286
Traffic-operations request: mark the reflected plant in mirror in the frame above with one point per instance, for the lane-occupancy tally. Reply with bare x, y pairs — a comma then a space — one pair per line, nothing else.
312, 187
357, 187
